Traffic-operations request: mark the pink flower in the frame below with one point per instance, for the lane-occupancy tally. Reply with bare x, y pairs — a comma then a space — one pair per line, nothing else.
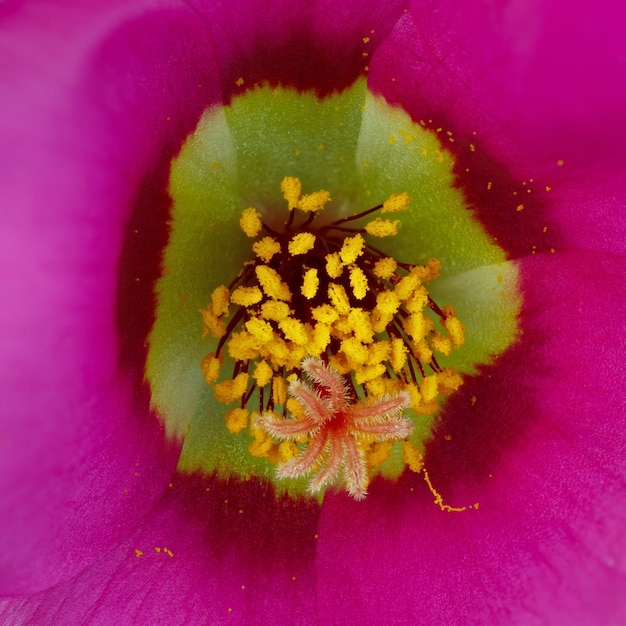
97, 527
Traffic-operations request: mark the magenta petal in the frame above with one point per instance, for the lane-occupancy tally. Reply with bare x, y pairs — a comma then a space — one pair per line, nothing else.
547, 543
322, 45
528, 84
209, 553
97, 97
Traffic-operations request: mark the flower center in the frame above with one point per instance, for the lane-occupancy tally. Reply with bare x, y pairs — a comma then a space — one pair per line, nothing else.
321, 289
335, 293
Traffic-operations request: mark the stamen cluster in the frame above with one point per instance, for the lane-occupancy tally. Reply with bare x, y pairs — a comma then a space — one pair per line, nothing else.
323, 291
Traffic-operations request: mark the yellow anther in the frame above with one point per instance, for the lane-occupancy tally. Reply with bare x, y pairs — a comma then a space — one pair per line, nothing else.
246, 296
271, 283
455, 329
288, 450
310, 283
321, 339
314, 201
387, 302
262, 444
378, 453
396, 202
428, 388
355, 351
250, 222
231, 390
212, 323
427, 272
442, 344
266, 248
274, 310
416, 396
294, 330
262, 373
334, 266
369, 372
279, 390
382, 228
211, 367
398, 354
351, 249
416, 326
422, 351
243, 346
301, 243
412, 457
358, 282
449, 381
296, 410
220, 299
338, 298
236, 420
378, 352
278, 352
260, 329
291, 188
416, 302
407, 285
361, 325
325, 314
385, 268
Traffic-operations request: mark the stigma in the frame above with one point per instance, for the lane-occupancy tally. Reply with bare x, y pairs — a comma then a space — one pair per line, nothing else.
323, 341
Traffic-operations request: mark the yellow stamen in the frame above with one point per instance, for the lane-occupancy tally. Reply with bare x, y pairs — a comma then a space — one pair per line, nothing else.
301, 243
382, 228
310, 284
396, 202
250, 222
271, 283
266, 248
291, 188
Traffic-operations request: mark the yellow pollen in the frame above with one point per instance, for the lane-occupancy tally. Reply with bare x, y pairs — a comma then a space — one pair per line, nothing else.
325, 314
382, 228
314, 201
266, 248
220, 299
412, 457
310, 284
385, 268
338, 298
351, 249
230, 390
301, 243
246, 296
358, 282
271, 283
250, 222
396, 202
334, 265
262, 373
274, 310
211, 367
260, 329
291, 188
236, 420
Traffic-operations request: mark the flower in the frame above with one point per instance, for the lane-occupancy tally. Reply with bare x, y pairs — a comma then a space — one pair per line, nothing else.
97, 99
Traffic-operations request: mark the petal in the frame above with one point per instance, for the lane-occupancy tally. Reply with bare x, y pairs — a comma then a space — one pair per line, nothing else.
315, 45
541, 450
209, 553
520, 92
88, 132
